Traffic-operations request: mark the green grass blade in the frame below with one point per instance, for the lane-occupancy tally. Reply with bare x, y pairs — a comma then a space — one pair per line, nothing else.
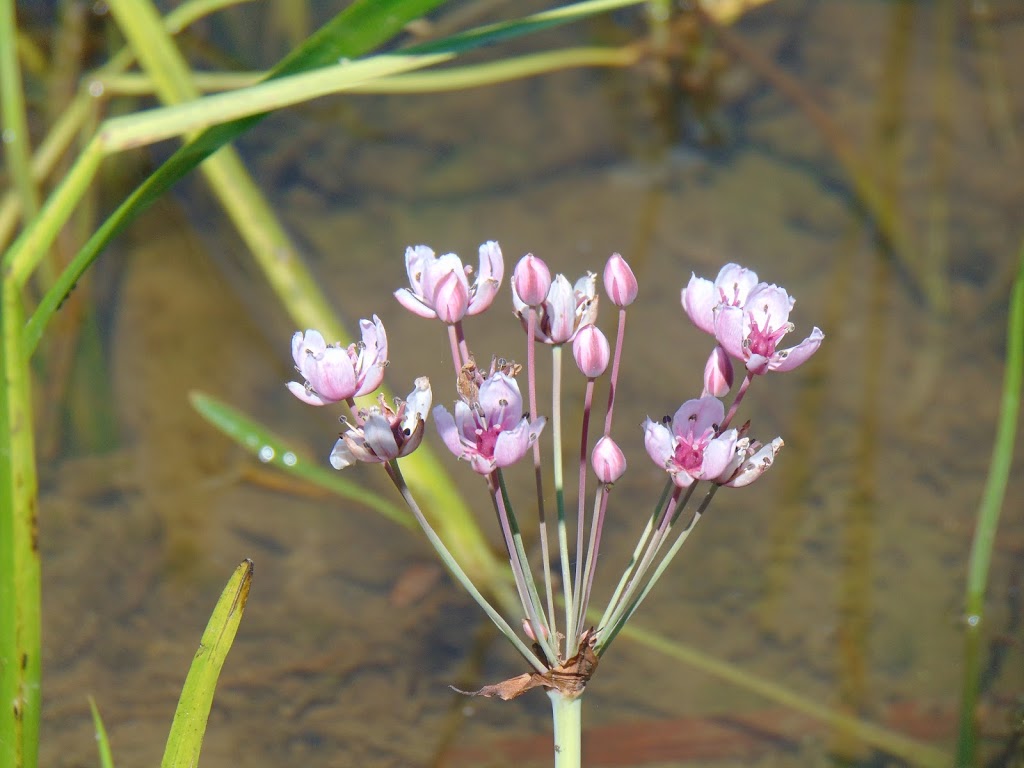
988, 520
102, 743
186, 737
506, 30
275, 451
20, 644
17, 151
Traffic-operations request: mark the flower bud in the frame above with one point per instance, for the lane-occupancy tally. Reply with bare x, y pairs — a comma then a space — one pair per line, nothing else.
609, 463
531, 280
528, 630
718, 373
619, 281
590, 348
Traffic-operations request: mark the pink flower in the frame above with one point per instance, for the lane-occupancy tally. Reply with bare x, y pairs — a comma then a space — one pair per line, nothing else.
753, 331
490, 432
440, 285
565, 310
692, 449
385, 434
702, 297
333, 373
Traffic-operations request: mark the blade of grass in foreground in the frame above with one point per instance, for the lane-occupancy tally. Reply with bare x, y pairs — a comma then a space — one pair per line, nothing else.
988, 520
186, 737
102, 743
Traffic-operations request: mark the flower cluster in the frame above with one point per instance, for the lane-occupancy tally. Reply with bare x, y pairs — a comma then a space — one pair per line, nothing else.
491, 427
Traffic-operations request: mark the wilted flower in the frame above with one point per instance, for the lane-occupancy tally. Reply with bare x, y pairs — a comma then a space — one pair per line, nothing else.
565, 310
755, 462
491, 431
385, 433
332, 372
689, 448
439, 286
752, 332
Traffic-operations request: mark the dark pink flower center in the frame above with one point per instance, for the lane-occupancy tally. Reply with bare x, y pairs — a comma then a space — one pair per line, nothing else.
762, 341
486, 440
690, 452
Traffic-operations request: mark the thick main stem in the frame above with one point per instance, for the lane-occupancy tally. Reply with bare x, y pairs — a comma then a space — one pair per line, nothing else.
567, 716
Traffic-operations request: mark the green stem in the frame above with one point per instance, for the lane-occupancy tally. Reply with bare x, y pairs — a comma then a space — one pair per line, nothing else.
20, 593
17, 150
567, 716
988, 519
556, 461
460, 575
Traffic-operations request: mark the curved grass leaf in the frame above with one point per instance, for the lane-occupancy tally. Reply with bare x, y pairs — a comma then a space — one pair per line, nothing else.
186, 737
275, 451
102, 743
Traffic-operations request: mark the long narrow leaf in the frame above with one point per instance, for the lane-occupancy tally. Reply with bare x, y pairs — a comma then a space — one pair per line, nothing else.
102, 742
275, 451
988, 518
189, 727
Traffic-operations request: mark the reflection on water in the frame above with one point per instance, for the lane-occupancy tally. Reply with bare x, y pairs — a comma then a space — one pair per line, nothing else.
840, 575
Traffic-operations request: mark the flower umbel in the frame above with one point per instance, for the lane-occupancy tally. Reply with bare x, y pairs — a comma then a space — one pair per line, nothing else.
490, 432
334, 373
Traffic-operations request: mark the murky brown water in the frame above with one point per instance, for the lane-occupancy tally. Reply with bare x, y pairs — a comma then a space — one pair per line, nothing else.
839, 576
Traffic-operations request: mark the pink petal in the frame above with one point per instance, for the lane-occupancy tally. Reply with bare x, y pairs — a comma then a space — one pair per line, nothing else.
695, 417
341, 456
513, 444
561, 309
718, 454
500, 401
300, 391
436, 271
413, 304
658, 442
380, 438
771, 304
374, 357
451, 298
734, 284
417, 259
788, 359
333, 378
731, 330
488, 279
446, 428
699, 298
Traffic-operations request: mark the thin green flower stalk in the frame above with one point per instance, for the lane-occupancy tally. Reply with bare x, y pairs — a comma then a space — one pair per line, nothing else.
488, 430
